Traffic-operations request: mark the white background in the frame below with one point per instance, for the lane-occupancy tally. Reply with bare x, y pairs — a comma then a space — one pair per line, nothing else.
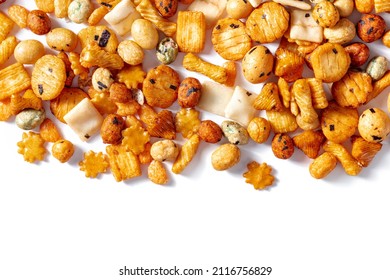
57, 224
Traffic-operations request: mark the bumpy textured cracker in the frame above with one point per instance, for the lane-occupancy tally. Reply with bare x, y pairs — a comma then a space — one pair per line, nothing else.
230, 39
124, 164
66, 101
27, 100
268, 22
7, 48
193, 63
6, 25
93, 55
48, 77
349, 163
101, 35
19, 15
49, 131
13, 79
191, 31
186, 154
149, 12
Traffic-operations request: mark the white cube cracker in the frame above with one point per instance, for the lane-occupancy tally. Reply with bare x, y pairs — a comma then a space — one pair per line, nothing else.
215, 97
84, 119
121, 18
304, 27
240, 107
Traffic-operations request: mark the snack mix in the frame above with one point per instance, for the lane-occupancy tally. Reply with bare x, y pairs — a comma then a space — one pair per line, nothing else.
100, 83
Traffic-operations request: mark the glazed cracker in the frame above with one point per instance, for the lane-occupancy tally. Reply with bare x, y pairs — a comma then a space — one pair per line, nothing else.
48, 77
13, 79
230, 39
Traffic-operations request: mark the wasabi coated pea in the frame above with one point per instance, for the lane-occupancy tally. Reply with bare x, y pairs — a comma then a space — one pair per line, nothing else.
79, 10
377, 67
167, 50
235, 133
29, 119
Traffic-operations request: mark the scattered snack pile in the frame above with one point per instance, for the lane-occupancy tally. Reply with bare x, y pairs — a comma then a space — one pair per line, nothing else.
95, 82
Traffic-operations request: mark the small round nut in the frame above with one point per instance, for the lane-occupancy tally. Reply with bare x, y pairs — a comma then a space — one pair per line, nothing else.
131, 52
38, 22
164, 150
374, 125
225, 157
341, 33
238, 8
359, 53
111, 129
62, 150
210, 132
120, 93
29, 51
144, 34
259, 129
386, 39
282, 146
326, 14
157, 173
62, 39
371, 27
189, 93
102, 79
345, 7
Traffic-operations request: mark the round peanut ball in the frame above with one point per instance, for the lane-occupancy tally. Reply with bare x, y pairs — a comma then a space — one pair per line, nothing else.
189, 93
257, 64
164, 150
131, 52
29, 51
62, 150
144, 34
38, 22
259, 129
102, 79
225, 157
111, 129
358, 52
374, 125
62, 39
238, 8
282, 146
371, 27
326, 14
210, 131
